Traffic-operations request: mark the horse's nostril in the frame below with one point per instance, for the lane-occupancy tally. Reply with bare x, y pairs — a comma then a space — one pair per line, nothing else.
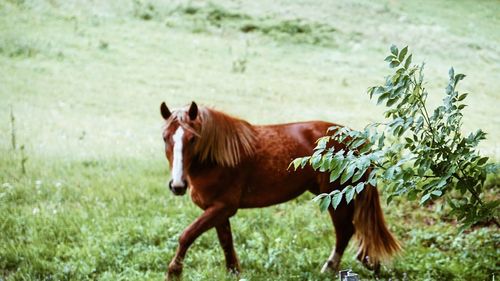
178, 189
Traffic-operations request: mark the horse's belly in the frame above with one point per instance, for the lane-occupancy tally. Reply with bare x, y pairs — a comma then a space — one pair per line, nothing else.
261, 192
268, 200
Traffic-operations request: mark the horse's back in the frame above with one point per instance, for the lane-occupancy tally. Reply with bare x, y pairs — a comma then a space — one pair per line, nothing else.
292, 139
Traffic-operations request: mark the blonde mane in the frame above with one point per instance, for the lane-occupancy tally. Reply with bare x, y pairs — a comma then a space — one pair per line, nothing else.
222, 139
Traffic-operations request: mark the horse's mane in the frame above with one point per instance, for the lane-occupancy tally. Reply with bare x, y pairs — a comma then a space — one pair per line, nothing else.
222, 139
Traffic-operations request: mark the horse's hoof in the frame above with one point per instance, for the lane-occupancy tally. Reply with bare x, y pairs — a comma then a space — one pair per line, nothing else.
376, 270
174, 271
324, 268
372, 266
234, 271
172, 277
329, 266
233, 267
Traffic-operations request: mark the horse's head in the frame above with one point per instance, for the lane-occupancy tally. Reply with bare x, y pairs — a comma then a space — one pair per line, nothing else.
180, 135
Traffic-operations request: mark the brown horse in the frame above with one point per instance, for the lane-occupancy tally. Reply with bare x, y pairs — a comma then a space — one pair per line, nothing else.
229, 164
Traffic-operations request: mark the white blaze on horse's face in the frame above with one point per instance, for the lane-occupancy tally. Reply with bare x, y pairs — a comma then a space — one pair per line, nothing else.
177, 167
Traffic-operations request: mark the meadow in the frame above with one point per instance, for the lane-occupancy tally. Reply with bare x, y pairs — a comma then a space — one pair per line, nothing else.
83, 175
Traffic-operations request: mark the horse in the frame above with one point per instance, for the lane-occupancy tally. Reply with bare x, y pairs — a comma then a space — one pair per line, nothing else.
230, 164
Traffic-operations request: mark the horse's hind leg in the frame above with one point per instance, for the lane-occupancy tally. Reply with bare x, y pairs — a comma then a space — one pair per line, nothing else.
226, 241
344, 229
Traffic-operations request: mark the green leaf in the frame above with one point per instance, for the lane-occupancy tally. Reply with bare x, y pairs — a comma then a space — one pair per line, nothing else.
425, 198
296, 163
459, 77
462, 97
449, 89
394, 63
365, 148
382, 97
336, 161
321, 143
349, 193
325, 203
305, 160
333, 128
437, 193
359, 173
335, 173
462, 185
482, 161
325, 163
408, 61
373, 182
389, 199
381, 140
389, 58
389, 173
319, 197
359, 187
402, 54
390, 102
348, 172
394, 50
336, 198
451, 73
355, 144
316, 161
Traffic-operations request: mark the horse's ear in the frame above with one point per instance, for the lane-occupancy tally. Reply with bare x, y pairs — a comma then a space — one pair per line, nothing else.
193, 111
165, 112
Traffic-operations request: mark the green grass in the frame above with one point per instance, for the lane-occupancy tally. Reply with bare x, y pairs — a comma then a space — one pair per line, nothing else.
113, 219
85, 82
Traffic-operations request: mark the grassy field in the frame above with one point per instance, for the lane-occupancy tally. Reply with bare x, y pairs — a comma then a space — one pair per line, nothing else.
84, 81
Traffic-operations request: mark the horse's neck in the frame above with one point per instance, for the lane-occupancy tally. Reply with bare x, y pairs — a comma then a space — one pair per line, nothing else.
198, 168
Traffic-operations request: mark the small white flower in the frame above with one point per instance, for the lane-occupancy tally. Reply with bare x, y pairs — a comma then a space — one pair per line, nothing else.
36, 211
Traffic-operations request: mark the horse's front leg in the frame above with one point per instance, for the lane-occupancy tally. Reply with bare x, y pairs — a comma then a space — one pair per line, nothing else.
226, 241
214, 215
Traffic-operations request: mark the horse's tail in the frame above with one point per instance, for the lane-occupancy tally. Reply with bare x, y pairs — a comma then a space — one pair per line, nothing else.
375, 241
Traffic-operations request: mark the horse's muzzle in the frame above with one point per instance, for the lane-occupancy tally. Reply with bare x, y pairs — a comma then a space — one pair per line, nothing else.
178, 189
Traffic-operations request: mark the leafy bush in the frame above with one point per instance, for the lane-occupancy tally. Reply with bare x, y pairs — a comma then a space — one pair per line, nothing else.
417, 153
